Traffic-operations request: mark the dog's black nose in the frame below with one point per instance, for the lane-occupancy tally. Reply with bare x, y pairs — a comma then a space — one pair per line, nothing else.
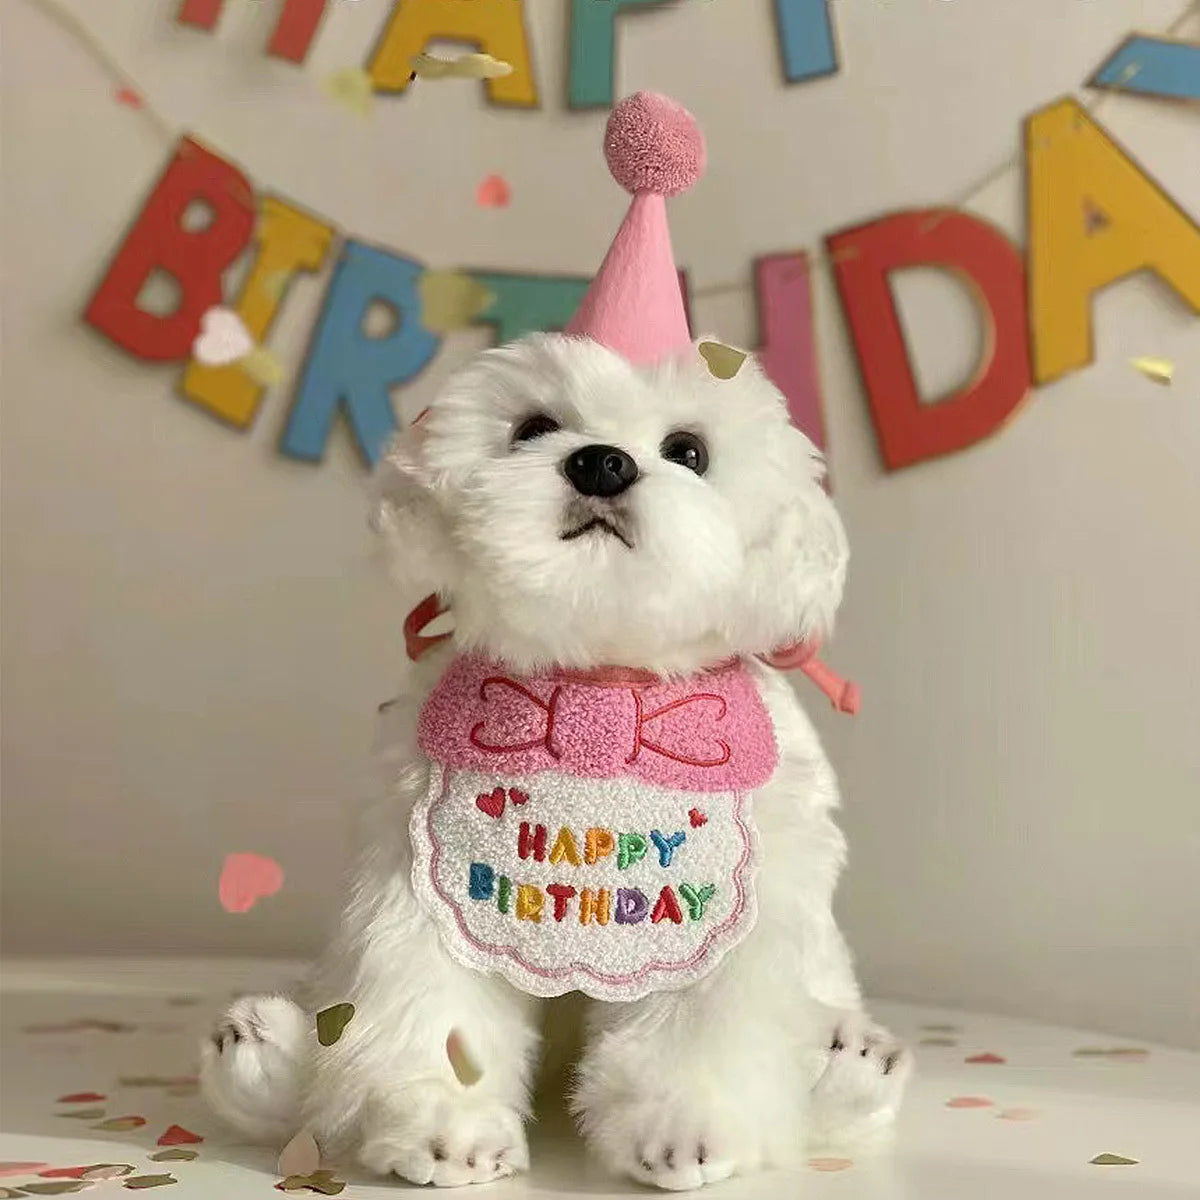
600, 470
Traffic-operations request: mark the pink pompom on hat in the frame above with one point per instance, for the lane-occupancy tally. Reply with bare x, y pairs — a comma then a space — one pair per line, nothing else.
654, 149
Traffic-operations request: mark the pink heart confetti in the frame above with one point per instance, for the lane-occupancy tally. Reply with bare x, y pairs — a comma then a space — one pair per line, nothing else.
246, 879
830, 1164
19, 1168
493, 192
986, 1057
301, 1156
970, 1102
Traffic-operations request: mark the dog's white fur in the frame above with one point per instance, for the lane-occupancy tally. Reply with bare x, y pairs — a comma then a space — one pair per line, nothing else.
768, 1055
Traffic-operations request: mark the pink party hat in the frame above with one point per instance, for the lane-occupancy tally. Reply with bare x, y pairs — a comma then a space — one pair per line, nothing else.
654, 149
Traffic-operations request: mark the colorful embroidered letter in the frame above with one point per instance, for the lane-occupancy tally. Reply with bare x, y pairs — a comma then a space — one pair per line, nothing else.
505, 892
594, 904
696, 898
666, 845
483, 881
1094, 218
288, 241
565, 847
529, 903
631, 906
496, 27
666, 906
194, 258
597, 844
350, 370
562, 892
630, 848
532, 843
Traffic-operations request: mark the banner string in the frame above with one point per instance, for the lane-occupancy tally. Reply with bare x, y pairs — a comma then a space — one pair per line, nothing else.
67, 19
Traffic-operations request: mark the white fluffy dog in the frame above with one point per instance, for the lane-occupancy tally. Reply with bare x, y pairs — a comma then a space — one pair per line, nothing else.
715, 541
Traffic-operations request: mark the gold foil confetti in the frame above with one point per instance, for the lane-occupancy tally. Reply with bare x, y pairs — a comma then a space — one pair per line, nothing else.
724, 362
332, 1020
465, 66
139, 1182
175, 1154
1112, 1160
1157, 370
352, 88
450, 300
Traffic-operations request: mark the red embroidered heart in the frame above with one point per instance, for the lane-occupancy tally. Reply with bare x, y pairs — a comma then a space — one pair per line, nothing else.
491, 803
176, 1135
518, 797
697, 818
80, 1098
987, 1057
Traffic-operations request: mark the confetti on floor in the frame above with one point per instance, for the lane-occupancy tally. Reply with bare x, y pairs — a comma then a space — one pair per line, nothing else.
830, 1164
318, 1181
970, 1102
986, 1057
724, 362
83, 1114
120, 1124
940, 1028
81, 1098
301, 1156
56, 1187
1112, 1160
1157, 370
939, 1041
1110, 1052
332, 1021
1018, 1114
247, 878
139, 1182
175, 1155
493, 192
176, 1135
20, 1168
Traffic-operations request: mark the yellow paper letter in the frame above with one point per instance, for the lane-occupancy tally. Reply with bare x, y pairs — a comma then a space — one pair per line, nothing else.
1094, 217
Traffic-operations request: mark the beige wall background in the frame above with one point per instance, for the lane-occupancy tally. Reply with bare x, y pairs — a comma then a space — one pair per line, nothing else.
195, 638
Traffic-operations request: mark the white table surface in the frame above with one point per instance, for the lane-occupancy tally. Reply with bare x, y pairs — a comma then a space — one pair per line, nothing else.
1068, 1108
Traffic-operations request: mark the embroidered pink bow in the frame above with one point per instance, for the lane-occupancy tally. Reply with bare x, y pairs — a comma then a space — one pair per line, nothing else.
709, 733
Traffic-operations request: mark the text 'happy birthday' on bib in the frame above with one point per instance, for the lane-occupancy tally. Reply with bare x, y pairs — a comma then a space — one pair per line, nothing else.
590, 833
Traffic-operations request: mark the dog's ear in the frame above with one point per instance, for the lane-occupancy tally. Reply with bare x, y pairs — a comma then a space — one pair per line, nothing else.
405, 512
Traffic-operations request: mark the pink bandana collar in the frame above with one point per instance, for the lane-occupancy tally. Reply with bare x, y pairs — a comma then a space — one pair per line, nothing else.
707, 733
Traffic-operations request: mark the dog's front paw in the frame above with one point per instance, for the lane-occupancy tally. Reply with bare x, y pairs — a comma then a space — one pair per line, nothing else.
659, 1143
436, 1133
859, 1091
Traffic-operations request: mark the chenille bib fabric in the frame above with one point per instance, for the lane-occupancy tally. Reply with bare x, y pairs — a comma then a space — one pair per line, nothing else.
590, 833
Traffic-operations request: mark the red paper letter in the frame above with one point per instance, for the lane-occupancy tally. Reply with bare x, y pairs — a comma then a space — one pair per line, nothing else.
908, 430
294, 32
195, 258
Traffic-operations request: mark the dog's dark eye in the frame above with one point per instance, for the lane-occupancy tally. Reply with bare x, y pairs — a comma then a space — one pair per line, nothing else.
686, 449
534, 427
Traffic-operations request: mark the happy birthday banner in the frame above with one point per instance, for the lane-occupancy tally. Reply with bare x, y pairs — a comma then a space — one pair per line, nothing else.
1094, 217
